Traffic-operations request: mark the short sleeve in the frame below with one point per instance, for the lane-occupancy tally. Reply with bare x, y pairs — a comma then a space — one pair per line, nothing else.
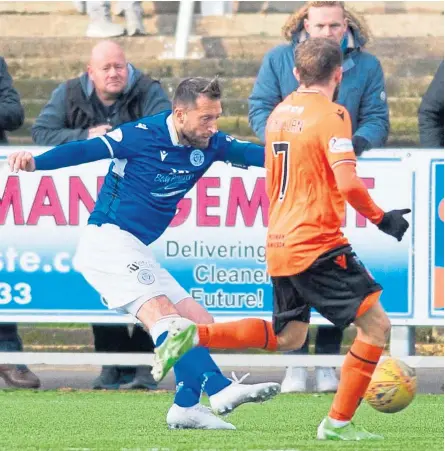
336, 138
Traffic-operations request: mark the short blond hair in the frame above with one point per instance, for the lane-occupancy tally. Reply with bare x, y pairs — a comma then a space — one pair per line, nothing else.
316, 59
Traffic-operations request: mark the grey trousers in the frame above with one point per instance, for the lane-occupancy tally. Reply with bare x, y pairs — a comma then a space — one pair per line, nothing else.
102, 10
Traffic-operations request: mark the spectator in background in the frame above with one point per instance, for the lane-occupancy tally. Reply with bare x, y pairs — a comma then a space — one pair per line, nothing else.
101, 26
362, 92
11, 110
110, 93
431, 113
11, 118
431, 121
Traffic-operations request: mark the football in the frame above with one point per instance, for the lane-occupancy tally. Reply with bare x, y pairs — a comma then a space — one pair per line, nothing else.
392, 387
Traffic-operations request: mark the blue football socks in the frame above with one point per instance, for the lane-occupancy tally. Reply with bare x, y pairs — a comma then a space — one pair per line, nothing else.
196, 372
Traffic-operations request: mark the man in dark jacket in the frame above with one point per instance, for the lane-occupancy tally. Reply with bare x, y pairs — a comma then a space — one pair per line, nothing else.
11, 118
110, 93
431, 113
11, 110
362, 92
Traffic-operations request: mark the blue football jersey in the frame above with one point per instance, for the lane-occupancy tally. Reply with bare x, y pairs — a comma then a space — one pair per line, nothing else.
150, 172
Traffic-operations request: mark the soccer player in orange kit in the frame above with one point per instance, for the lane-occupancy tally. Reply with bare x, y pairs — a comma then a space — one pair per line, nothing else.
310, 164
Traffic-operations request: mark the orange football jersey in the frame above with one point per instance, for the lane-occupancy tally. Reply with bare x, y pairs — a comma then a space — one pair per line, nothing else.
307, 135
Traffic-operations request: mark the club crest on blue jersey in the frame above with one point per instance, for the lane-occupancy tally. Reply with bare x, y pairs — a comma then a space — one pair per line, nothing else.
197, 157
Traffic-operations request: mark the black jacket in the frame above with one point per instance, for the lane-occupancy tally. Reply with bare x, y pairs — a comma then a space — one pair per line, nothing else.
53, 126
83, 112
11, 110
431, 113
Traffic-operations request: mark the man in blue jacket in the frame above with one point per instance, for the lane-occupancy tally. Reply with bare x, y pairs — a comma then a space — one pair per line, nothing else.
362, 92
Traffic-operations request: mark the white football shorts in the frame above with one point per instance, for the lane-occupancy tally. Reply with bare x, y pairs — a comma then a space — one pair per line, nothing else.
123, 269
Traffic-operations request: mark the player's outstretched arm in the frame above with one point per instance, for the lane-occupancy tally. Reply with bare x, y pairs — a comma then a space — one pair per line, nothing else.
355, 192
241, 153
340, 154
70, 154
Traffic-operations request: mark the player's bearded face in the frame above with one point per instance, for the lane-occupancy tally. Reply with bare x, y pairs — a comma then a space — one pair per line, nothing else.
194, 139
200, 123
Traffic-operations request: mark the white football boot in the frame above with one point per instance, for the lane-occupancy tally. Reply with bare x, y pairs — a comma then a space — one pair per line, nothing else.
236, 394
195, 417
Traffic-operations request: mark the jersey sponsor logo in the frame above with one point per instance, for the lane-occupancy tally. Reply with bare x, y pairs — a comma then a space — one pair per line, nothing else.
294, 109
116, 135
176, 182
168, 193
141, 126
176, 178
146, 277
163, 155
340, 145
197, 157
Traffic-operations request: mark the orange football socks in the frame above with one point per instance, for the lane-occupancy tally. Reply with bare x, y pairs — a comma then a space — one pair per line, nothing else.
356, 373
246, 333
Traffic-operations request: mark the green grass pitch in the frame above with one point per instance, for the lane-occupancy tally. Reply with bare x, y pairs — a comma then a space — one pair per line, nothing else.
62, 420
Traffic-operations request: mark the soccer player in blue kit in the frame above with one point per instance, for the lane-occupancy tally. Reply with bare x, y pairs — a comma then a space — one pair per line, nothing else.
156, 161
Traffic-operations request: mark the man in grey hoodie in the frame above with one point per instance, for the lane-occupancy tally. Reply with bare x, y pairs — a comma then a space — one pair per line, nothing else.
110, 93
